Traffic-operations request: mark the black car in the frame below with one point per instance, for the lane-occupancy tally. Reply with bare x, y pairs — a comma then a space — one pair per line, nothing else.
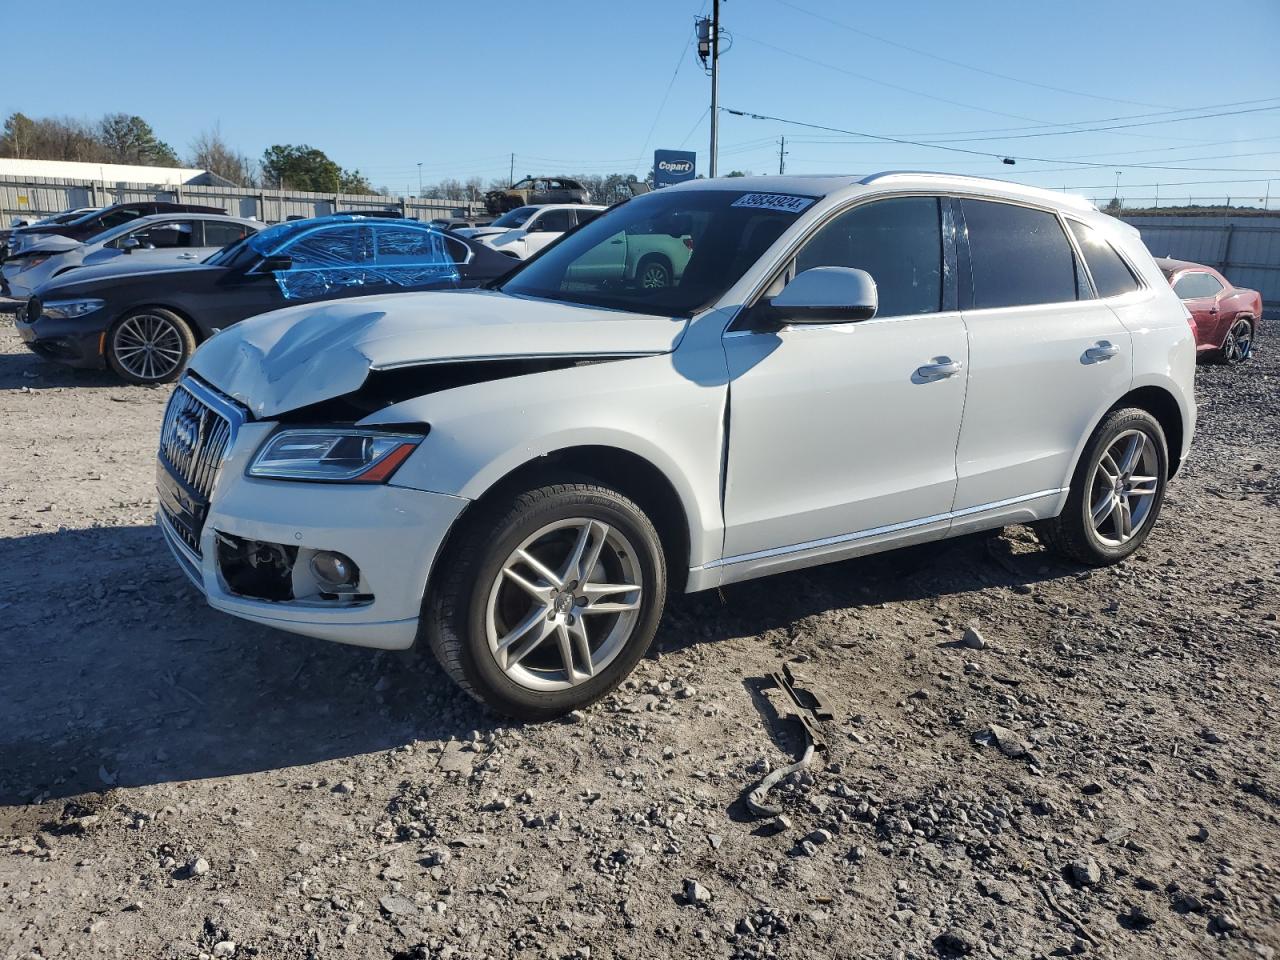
94, 222
145, 323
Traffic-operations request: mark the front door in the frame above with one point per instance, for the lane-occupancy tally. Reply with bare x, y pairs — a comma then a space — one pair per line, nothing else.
842, 434
546, 227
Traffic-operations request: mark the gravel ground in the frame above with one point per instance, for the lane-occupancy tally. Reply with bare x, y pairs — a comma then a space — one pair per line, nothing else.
1099, 777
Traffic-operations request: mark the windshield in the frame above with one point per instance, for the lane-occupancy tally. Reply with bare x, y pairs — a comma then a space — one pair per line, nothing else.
515, 218
670, 252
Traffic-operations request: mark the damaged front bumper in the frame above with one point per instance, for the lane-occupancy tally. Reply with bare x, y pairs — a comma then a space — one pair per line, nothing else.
392, 534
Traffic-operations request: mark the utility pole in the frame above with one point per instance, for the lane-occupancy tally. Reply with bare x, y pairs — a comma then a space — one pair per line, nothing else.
1157, 196
708, 36
782, 155
419, 178
511, 177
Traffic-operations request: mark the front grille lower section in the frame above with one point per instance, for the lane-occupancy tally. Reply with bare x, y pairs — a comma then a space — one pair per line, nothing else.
193, 440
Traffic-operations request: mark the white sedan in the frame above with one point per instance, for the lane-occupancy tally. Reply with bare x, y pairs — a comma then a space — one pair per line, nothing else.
179, 239
516, 477
524, 231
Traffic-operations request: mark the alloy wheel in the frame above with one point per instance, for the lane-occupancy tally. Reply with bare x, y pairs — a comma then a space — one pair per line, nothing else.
655, 276
1125, 483
564, 604
1239, 343
148, 346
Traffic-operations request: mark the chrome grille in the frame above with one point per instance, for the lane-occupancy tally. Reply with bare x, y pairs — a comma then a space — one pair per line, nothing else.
193, 440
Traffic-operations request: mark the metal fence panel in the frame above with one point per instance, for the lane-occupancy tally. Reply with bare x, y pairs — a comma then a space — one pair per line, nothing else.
1245, 250
44, 196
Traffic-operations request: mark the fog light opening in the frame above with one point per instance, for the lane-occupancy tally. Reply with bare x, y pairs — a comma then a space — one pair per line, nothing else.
336, 571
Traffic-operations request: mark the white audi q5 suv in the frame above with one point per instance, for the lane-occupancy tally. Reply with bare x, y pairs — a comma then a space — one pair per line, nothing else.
519, 476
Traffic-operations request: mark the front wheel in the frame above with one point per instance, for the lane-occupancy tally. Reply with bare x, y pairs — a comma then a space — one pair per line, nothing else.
1116, 493
544, 603
150, 346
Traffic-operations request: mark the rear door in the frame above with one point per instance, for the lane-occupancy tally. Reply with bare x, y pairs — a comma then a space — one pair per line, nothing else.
1046, 355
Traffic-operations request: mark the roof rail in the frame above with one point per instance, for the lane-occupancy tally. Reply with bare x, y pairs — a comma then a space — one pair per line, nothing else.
1070, 199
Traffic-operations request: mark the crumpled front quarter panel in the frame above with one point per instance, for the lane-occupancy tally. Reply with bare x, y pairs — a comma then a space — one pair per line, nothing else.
671, 416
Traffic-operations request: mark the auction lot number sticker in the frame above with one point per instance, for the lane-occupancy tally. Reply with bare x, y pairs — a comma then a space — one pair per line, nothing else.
773, 201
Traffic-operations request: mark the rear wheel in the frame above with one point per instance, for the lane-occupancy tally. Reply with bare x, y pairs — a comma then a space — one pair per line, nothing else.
1238, 345
150, 346
1116, 493
654, 273
545, 602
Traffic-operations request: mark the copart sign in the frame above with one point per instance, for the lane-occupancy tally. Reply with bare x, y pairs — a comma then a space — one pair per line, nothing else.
673, 166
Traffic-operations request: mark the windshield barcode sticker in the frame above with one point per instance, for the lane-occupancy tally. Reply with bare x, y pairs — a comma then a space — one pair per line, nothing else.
773, 201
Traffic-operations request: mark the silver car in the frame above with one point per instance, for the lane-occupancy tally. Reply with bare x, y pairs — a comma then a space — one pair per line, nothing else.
177, 238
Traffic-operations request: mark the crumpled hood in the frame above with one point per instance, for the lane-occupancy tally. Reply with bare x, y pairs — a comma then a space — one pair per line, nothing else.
475, 233
301, 355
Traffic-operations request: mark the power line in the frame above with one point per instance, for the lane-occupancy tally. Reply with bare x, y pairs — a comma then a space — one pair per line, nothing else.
957, 63
702, 116
980, 153
662, 106
1076, 127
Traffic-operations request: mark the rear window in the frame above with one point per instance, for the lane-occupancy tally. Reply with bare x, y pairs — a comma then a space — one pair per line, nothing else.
1019, 256
1193, 286
1111, 275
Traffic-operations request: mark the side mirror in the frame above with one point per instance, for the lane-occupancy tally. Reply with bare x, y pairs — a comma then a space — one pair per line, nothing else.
130, 244
276, 262
827, 295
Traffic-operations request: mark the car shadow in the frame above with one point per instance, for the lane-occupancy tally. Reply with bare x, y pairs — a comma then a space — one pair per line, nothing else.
116, 673
19, 370
948, 567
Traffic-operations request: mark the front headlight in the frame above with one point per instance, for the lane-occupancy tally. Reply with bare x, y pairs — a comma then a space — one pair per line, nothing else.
31, 263
69, 309
341, 455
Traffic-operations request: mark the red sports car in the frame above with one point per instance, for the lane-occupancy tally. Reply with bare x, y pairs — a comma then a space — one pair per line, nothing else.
1223, 317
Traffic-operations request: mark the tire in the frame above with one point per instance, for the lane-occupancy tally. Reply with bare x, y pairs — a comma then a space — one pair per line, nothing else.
1073, 533
475, 605
1237, 346
172, 341
656, 268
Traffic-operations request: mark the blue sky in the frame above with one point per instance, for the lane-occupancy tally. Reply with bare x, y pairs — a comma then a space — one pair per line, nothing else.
594, 86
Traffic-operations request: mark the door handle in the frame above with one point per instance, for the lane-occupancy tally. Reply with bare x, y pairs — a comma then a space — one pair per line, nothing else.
615, 242
1102, 350
186, 256
940, 369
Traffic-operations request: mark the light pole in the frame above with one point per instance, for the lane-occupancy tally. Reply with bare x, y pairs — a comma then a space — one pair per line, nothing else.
419, 179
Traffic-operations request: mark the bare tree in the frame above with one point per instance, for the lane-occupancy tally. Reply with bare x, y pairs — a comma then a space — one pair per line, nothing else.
209, 151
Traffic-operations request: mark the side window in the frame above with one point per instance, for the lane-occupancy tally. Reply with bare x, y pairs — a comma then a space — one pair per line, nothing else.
1193, 286
897, 241
1019, 256
1111, 275
165, 236
219, 234
586, 216
554, 221
117, 217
